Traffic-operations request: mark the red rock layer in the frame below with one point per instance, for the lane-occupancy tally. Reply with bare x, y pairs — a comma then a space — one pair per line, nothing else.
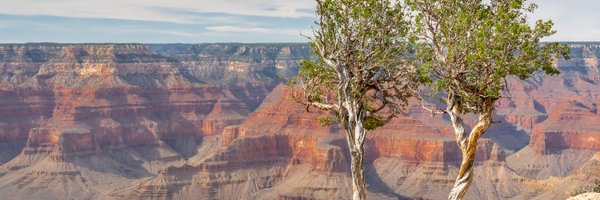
76, 100
560, 112
176, 122
293, 135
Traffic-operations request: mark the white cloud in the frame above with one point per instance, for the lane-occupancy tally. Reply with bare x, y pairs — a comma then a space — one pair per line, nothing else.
575, 20
301, 33
237, 29
136, 29
178, 11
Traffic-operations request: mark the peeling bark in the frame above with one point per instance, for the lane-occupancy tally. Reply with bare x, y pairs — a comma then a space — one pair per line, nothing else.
356, 135
468, 146
356, 138
359, 190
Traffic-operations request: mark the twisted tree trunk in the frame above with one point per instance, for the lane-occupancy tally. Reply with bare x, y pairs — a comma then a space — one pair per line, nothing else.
353, 115
356, 139
468, 146
359, 190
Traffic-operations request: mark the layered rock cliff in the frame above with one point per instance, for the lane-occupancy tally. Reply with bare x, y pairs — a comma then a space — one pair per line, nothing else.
560, 111
136, 108
209, 121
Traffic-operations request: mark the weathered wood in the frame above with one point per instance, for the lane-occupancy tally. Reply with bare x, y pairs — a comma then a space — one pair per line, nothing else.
469, 149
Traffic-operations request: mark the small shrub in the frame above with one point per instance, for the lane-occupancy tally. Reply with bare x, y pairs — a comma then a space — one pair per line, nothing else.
587, 189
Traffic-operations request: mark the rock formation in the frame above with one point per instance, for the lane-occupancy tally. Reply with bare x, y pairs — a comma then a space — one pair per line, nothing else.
210, 121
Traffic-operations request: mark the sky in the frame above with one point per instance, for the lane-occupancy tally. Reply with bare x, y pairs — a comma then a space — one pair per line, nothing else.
202, 21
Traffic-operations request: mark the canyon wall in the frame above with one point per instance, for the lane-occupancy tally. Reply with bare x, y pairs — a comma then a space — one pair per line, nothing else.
212, 121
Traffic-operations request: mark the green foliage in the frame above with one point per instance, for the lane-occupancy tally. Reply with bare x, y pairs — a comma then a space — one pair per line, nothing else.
469, 47
595, 187
319, 79
326, 121
362, 49
371, 123
362, 69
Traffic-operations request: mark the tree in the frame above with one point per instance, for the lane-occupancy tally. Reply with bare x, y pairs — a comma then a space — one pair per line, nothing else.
362, 49
468, 50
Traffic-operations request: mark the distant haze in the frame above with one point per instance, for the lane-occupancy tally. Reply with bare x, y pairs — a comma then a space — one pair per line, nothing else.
196, 21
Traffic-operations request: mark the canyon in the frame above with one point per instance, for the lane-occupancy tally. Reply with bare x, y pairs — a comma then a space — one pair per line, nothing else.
213, 121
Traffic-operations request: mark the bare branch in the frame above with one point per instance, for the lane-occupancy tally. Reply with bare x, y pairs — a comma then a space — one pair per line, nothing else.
433, 109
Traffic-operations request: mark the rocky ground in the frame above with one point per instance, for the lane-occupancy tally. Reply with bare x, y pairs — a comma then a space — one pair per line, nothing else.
586, 196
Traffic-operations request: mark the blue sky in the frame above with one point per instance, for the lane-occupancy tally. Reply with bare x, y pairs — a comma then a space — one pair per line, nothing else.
197, 21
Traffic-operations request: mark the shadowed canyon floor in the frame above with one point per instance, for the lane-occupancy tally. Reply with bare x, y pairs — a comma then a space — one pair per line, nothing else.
211, 121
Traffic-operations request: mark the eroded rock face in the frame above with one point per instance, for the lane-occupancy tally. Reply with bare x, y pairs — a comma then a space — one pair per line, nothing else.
209, 121
561, 112
138, 107
89, 97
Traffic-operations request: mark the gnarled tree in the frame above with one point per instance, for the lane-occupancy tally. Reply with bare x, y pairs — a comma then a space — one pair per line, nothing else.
361, 75
468, 49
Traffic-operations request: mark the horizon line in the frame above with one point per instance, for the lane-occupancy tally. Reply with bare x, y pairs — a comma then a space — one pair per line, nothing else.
192, 43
